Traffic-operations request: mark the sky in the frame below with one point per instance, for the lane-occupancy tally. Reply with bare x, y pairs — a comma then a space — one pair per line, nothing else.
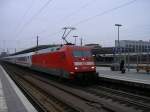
22, 20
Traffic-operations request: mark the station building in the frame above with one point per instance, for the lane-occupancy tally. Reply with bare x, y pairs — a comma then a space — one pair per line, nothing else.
132, 51
133, 45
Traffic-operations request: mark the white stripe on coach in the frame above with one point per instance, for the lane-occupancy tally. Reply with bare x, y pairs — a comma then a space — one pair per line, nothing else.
83, 63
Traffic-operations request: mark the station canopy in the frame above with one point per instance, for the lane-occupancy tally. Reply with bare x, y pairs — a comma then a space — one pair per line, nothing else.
33, 49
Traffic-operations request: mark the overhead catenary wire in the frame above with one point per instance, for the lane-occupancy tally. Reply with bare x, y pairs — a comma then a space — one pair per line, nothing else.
78, 10
34, 16
99, 14
104, 12
84, 6
24, 16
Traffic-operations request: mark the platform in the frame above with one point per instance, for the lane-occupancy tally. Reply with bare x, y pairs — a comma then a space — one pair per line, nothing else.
132, 75
11, 98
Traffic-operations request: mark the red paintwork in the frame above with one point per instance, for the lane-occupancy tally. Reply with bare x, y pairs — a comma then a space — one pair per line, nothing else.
63, 59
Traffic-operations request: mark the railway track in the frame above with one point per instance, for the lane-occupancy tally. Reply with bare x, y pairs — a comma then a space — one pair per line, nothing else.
138, 102
89, 99
77, 102
43, 101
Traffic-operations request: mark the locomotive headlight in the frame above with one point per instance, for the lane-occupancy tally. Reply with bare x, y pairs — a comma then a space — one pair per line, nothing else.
75, 68
93, 67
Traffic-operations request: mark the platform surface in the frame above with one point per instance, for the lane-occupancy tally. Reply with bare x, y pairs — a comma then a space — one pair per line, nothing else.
3, 106
131, 75
11, 98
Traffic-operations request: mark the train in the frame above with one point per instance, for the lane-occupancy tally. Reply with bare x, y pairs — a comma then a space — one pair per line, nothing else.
65, 61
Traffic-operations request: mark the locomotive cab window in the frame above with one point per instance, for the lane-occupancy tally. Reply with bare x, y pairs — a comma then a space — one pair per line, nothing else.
79, 53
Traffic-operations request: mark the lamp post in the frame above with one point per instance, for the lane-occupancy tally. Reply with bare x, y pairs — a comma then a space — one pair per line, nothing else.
129, 49
148, 57
118, 25
75, 39
81, 41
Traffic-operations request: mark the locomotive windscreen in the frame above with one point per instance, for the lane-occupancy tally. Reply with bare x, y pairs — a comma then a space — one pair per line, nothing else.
80, 53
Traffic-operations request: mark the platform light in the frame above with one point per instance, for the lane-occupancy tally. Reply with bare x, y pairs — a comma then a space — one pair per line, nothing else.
118, 25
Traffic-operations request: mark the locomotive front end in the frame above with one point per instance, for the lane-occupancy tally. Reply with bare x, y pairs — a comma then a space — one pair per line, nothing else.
83, 63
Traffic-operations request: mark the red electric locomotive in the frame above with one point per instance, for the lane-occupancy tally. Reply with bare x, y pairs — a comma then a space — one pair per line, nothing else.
68, 61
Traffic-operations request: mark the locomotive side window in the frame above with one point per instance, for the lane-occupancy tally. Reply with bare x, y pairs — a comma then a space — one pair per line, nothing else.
81, 53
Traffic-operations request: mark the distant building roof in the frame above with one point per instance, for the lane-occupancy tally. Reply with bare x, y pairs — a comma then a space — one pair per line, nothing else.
93, 45
103, 50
